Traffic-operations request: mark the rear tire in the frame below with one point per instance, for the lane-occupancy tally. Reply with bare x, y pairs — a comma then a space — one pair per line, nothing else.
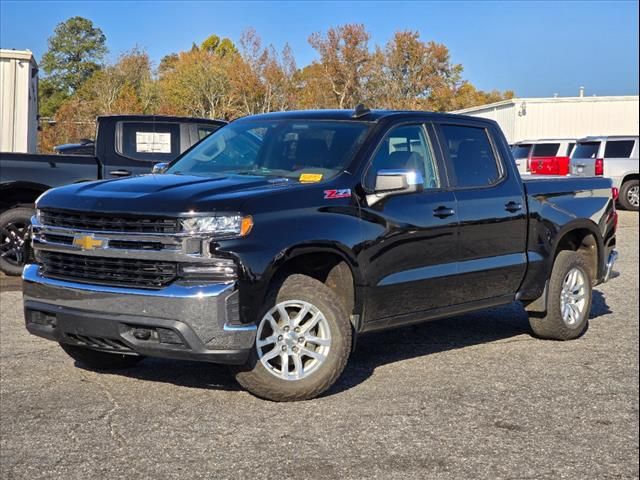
570, 322
100, 360
629, 195
328, 343
14, 226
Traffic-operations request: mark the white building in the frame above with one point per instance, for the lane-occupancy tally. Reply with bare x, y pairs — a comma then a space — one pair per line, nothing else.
18, 101
561, 117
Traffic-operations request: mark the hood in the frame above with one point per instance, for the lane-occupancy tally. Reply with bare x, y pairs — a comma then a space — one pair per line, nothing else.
165, 194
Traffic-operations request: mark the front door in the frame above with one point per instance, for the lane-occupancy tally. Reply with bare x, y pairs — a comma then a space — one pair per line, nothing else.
411, 252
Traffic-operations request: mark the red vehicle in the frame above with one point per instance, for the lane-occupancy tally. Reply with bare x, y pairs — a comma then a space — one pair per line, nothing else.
545, 157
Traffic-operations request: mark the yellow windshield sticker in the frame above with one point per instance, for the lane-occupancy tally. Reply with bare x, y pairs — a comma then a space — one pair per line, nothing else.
310, 177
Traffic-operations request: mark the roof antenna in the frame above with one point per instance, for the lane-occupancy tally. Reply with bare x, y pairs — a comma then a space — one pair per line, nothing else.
360, 111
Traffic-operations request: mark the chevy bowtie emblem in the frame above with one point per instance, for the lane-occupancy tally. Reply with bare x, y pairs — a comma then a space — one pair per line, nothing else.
87, 242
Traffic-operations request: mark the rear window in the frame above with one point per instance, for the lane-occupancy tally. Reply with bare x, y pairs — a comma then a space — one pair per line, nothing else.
148, 141
521, 151
545, 149
471, 156
618, 148
586, 150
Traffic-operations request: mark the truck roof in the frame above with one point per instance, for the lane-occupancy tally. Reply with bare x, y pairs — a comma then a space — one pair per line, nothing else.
166, 118
348, 115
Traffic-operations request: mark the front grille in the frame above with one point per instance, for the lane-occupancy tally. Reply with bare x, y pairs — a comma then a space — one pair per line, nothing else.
107, 271
105, 222
100, 342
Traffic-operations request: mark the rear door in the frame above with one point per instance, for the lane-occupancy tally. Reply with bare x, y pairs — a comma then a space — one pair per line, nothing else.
491, 211
620, 159
583, 158
411, 256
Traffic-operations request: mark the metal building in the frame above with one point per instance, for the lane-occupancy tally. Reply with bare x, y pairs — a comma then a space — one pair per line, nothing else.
561, 117
18, 101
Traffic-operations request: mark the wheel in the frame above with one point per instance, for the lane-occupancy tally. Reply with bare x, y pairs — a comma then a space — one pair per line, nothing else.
302, 342
629, 195
14, 226
100, 360
568, 300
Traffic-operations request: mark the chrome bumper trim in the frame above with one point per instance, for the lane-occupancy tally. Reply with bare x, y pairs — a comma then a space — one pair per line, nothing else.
613, 257
31, 273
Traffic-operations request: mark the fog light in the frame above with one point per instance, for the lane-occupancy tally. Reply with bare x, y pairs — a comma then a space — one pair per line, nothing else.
142, 334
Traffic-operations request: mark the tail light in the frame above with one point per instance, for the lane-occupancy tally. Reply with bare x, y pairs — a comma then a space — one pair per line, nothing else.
615, 193
599, 166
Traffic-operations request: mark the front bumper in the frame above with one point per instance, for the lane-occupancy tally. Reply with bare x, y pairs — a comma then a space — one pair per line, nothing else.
195, 322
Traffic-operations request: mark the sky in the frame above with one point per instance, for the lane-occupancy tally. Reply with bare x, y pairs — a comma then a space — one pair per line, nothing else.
536, 48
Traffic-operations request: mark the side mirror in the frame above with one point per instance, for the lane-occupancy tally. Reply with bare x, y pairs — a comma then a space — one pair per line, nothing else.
159, 167
395, 182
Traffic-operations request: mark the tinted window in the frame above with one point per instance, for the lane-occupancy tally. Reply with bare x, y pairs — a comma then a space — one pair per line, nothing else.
307, 151
404, 148
570, 149
521, 151
586, 150
205, 131
545, 149
471, 156
618, 148
150, 141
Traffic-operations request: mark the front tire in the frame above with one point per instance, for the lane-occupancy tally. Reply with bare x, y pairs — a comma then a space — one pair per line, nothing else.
100, 360
629, 195
568, 300
302, 343
14, 227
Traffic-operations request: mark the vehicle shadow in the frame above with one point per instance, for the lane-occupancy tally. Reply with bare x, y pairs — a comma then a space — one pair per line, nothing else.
373, 350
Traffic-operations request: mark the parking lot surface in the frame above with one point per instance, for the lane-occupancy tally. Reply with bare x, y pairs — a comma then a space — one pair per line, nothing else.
470, 397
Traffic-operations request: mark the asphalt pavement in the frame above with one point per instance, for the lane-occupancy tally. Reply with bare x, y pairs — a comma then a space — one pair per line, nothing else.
475, 396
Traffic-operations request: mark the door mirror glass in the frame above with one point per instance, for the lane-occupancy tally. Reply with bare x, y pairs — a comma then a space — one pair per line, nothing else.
159, 167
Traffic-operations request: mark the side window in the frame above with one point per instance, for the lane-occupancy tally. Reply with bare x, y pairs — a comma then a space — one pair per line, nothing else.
470, 155
206, 130
545, 149
618, 148
148, 141
404, 148
570, 148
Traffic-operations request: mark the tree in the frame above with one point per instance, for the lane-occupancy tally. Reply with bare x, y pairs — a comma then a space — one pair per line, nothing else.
345, 61
76, 50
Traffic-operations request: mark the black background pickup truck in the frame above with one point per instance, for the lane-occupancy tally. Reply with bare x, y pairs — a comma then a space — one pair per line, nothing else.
125, 145
277, 240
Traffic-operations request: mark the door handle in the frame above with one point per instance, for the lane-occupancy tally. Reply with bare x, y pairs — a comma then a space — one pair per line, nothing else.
443, 212
513, 207
120, 173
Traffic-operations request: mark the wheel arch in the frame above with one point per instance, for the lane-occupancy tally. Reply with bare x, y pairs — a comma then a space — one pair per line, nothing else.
16, 194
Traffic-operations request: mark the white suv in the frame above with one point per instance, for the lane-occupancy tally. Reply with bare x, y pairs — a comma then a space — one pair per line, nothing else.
614, 157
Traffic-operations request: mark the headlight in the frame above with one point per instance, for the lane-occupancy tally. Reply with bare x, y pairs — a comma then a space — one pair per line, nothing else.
224, 225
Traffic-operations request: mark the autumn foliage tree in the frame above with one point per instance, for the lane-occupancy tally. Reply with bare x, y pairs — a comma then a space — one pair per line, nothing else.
219, 79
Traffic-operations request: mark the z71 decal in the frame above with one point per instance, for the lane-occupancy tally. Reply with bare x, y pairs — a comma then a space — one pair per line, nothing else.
340, 193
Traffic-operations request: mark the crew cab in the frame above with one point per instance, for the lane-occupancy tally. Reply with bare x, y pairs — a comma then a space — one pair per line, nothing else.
125, 145
282, 237
615, 157
543, 157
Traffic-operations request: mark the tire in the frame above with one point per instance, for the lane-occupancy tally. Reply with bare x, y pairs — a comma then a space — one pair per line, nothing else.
100, 360
553, 325
627, 197
14, 225
298, 292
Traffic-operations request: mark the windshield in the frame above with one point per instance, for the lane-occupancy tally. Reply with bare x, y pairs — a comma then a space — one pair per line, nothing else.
521, 151
301, 150
586, 150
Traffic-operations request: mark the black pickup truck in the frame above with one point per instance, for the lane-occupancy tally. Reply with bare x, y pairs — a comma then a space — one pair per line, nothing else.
125, 145
276, 241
